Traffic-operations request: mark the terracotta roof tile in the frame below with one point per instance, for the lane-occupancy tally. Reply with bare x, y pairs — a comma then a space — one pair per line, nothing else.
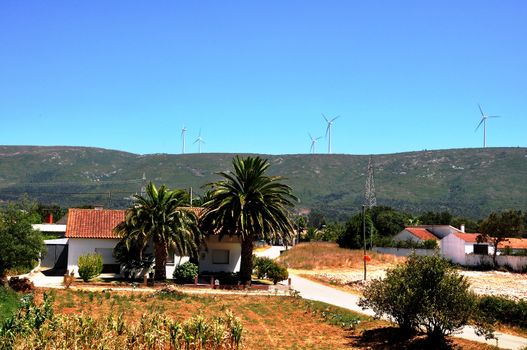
515, 243
93, 223
467, 237
422, 233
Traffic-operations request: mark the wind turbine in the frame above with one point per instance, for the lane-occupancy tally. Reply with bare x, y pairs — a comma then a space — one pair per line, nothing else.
483, 121
183, 131
328, 130
313, 143
199, 141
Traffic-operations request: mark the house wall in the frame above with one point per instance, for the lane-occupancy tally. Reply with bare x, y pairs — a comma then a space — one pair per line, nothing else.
81, 246
231, 244
406, 236
453, 249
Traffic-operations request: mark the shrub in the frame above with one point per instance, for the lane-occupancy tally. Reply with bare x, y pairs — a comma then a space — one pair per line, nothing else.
90, 266
426, 292
185, 273
261, 265
277, 273
503, 310
270, 269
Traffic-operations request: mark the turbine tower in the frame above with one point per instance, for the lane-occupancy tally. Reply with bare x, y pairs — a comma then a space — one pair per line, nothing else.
483, 121
199, 141
328, 130
370, 200
183, 131
313, 143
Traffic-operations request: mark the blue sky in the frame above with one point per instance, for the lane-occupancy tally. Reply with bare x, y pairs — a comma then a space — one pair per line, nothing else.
256, 76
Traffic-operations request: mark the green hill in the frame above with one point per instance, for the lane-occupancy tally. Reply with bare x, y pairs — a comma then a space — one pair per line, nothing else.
469, 182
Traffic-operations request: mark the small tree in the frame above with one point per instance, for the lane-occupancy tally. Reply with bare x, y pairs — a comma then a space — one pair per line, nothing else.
426, 292
20, 245
498, 226
90, 266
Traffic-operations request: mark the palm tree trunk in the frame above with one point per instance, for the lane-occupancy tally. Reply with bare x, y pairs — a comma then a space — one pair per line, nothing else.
246, 264
161, 260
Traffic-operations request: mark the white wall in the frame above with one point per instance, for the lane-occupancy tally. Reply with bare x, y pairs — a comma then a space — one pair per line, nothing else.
80, 246
232, 244
453, 249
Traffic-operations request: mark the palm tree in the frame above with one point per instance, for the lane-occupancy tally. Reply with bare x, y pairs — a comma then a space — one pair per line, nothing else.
248, 204
160, 217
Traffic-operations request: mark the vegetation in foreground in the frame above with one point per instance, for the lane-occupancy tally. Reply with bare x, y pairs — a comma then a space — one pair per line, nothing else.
268, 322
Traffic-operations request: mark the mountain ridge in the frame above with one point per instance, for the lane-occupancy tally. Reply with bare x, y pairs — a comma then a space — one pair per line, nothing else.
466, 181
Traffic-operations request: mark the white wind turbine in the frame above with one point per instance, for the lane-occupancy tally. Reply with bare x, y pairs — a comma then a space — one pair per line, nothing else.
328, 130
183, 131
313, 143
199, 141
483, 121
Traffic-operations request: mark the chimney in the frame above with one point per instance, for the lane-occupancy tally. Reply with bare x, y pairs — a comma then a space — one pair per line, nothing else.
50, 218
462, 228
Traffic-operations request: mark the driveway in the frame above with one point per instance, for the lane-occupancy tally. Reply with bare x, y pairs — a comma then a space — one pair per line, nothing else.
316, 291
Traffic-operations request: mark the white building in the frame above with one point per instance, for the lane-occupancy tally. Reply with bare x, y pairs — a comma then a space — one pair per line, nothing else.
91, 231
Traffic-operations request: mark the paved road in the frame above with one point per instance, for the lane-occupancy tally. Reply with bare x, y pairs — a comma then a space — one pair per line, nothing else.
316, 291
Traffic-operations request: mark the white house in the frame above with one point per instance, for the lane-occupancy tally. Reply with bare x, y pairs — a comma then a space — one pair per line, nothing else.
456, 246
91, 231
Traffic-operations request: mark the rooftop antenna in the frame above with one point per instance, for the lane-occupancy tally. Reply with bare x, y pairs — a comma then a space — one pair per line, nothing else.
183, 131
483, 121
199, 141
328, 130
313, 143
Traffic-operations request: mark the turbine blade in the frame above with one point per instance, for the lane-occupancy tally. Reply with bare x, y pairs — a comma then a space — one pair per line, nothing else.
331, 121
311, 137
481, 122
493, 116
325, 117
327, 130
481, 110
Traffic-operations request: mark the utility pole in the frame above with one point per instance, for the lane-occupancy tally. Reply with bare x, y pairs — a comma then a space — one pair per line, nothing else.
364, 237
370, 200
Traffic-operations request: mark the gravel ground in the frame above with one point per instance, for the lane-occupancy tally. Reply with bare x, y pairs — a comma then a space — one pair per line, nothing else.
512, 285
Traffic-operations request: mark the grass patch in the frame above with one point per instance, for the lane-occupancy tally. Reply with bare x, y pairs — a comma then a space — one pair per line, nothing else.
323, 255
8, 302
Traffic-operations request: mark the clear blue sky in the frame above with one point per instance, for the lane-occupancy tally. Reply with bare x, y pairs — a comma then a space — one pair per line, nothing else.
255, 76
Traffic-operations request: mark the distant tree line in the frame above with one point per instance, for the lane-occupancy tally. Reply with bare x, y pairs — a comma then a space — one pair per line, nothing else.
383, 222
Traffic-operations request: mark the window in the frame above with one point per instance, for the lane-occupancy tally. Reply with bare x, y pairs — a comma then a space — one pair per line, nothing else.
220, 256
170, 257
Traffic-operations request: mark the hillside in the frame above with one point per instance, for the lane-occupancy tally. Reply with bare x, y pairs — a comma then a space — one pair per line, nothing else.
469, 182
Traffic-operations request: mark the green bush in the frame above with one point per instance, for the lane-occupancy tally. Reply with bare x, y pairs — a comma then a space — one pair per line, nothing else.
185, 273
261, 265
424, 293
267, 268
503, 310
90, 266
277, 273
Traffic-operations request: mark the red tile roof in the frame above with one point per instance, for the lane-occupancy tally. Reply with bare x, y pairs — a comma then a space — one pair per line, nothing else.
515, 243
93, 223
467, 237
422, 233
